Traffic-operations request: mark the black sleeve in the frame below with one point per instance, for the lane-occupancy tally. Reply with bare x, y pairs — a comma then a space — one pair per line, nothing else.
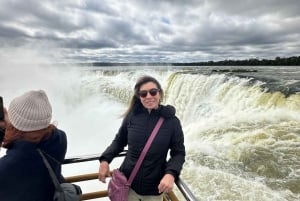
177, 153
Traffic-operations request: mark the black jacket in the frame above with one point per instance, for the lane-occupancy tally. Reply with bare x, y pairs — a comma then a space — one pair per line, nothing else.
134, 132
23, 175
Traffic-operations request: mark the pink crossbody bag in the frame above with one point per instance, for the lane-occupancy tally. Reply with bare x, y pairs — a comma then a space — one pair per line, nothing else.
118, 186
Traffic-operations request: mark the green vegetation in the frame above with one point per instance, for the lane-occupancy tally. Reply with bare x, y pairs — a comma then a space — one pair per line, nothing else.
290, 61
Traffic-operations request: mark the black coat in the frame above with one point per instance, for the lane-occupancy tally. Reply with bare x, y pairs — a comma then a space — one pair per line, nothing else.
23, 175
134, 132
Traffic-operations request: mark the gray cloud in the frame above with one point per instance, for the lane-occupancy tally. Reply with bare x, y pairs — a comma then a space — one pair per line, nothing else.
152, 31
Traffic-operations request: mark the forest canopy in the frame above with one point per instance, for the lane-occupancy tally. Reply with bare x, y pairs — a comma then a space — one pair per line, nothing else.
278, 61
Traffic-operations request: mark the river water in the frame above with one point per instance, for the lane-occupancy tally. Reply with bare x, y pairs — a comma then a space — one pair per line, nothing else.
241, 124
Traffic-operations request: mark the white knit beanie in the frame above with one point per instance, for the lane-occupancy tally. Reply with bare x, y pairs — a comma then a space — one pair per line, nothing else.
31, 111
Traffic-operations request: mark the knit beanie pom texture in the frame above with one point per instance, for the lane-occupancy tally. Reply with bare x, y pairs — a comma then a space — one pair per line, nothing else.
31, 111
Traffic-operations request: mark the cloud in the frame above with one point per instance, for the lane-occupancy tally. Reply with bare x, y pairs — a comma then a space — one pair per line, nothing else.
152, 31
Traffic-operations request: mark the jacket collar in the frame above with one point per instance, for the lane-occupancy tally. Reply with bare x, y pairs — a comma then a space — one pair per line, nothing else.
167, 111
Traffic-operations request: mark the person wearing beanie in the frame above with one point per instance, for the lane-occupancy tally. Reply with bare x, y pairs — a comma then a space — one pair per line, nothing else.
23, 175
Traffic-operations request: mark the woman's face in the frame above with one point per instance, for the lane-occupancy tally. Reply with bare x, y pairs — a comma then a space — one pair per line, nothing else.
149, 95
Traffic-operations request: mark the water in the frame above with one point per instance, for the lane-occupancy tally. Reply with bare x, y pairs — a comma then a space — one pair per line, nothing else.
242, 129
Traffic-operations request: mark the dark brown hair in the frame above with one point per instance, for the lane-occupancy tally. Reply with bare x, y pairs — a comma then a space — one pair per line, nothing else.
12, 134
135, 98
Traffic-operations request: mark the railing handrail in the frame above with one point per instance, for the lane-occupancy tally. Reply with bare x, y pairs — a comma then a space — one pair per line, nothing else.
183, 188
91, 157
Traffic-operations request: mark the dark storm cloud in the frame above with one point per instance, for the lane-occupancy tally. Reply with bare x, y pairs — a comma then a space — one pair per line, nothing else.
154, 31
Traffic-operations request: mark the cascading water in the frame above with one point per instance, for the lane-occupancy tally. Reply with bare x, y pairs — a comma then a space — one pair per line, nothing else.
242, 139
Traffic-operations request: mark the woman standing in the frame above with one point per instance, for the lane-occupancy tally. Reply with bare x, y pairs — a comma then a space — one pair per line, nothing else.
156, 174
23, 174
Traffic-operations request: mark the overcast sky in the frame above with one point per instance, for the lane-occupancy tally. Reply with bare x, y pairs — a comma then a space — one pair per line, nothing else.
151, 30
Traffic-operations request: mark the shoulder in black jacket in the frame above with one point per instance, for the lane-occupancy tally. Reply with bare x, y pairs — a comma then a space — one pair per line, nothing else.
23, 175
134, 132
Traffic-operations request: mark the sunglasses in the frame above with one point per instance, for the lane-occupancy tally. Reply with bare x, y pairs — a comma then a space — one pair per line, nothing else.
144, 93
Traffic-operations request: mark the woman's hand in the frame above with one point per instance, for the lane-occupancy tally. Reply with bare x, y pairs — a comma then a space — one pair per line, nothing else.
166, 184
103, 171
3, 122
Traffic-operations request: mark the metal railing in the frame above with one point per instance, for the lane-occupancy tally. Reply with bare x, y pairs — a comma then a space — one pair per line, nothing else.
182, 187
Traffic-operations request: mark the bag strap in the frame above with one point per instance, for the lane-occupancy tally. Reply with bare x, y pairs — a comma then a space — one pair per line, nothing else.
145, 150
51, 157
51, 172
